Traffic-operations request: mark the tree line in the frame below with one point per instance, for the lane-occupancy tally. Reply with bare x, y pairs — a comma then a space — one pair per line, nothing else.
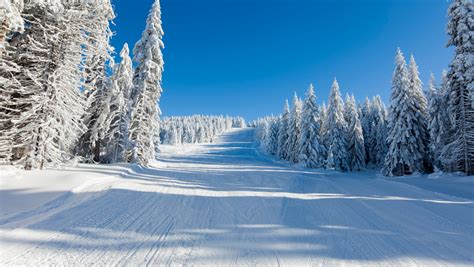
196, 129
421, 131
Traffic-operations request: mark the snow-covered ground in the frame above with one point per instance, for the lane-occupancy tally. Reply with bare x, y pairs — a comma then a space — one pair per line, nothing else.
227, 204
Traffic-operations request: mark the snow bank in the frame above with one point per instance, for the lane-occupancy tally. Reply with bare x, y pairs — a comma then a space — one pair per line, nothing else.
26, 190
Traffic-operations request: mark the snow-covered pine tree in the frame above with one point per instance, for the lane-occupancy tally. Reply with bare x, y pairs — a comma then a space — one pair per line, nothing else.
312, 151
355, 137
434, 123
378, 148
348, 109
446, 129
10, 20
336, 130
366, 123
420, 118
407, 135
98, 55
263, 133
117, 119
45, 110
147, 89
398, 160
283, 132
323, 121
460, 156
273, 136
294, 130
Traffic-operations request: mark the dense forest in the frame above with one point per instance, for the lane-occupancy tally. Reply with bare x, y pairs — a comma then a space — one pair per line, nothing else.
421, 131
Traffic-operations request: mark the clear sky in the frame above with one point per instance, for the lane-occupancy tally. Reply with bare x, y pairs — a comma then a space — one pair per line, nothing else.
244, 57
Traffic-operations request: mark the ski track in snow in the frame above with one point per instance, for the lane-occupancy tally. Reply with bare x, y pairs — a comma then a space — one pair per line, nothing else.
227, 204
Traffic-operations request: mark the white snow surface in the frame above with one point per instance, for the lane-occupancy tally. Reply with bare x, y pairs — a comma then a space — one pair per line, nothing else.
226, 204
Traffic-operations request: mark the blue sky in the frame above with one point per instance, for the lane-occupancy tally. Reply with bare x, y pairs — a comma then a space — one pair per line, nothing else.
244, 57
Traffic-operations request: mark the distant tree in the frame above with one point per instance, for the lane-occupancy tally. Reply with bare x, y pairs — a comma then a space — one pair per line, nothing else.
192, 129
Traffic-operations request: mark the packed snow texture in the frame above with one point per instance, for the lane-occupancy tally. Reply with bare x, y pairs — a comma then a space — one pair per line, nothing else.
227, 204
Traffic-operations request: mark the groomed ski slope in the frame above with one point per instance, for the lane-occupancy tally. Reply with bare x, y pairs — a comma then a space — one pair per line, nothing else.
226, 204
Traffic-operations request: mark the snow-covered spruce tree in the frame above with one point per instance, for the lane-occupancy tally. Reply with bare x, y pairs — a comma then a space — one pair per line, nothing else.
273, 136
355, 137
263, 133
14, 99
283, 132
460, 149
45, 111
294, 130
366, 123
434, 121
98, 56
312, 151
407, 151
324, 119
420, 122
266, 133
348, 109
117, 119
446, 129
378, 147
10, 20
147, 89
336, 130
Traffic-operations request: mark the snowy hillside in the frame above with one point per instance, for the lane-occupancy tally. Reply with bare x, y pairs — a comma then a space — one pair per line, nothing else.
227, 204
